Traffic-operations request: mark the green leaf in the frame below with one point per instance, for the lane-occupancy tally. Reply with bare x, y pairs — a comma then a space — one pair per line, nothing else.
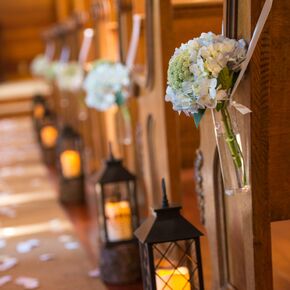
119, 98
197, 116
219, 106
225, 78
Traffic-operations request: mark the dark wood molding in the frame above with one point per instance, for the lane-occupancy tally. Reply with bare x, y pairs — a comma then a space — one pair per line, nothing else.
124, 7
231, 18
149, 24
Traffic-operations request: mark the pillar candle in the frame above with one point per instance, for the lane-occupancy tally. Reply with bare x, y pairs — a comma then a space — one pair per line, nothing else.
119, 224
70, 163
38, 111
48, 136
175, 278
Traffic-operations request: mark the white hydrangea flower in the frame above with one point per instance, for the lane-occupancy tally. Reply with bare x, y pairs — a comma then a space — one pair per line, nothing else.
69, 76
194, 70
39, 65
103, 82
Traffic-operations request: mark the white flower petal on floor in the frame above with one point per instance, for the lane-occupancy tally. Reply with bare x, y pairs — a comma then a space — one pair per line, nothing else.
56, 225
72, 245
7, 263
95, 273
46, 257
5, 279
27, 282
27, 246
65, 238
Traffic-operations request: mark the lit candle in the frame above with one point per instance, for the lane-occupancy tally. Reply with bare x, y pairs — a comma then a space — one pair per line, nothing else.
70, 163
119, 224
173, 279
38, 111
48, 136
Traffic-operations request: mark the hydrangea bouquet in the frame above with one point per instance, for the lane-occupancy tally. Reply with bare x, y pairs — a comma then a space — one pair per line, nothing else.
201, 75
69, 76
43, 67
107, 85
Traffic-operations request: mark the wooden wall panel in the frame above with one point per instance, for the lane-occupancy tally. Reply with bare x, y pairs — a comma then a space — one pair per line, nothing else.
21, 22
279, 108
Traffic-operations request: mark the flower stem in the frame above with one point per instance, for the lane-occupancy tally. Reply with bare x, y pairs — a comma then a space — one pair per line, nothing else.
232, 142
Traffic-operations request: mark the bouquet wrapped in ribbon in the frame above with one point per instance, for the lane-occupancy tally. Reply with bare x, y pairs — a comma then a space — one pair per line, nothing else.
42, 66
201, 76
70, 76
107, 85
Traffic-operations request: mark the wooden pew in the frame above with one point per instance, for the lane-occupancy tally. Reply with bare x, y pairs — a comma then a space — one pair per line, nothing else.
239, 225
107, 38
16, 96
164, 133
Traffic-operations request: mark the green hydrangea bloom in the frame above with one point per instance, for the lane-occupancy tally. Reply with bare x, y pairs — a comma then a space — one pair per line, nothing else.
178, 70
100, 62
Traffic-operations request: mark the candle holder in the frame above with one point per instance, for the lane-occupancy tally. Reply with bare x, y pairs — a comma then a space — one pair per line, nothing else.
70, 166
48, 134
118, 218
38, 110
170, 250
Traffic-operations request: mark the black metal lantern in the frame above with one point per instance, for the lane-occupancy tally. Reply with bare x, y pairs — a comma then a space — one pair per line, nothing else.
117, 198
118, 218
38, 107
70, 165
48, 135
170, 250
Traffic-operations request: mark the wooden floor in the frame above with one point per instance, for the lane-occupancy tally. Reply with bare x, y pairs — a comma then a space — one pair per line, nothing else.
84, 221
30, 211
280, 238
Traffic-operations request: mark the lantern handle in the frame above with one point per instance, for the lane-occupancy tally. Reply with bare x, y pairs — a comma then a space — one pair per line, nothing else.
165, 203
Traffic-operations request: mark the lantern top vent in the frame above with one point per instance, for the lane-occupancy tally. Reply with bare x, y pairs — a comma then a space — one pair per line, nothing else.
68, 132
114, 171
166, 224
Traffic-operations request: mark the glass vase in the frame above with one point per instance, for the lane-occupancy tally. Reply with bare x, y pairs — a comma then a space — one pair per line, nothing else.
123, 125
232, 147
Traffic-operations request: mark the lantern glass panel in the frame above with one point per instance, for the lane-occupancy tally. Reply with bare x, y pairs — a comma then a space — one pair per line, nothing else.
176, 265
48, 135
38, 111
119, 210
69, 152
70, 161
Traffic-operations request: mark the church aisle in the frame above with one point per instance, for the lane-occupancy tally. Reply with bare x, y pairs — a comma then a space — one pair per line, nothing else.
36, 238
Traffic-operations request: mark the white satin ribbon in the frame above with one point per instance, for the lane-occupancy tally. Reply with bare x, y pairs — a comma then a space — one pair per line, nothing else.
86, 44
135, 37
253, 43
241, 108
49, 50
64, 54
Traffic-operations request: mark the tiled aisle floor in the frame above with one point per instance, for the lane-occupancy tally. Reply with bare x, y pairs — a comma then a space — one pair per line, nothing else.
29, 210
